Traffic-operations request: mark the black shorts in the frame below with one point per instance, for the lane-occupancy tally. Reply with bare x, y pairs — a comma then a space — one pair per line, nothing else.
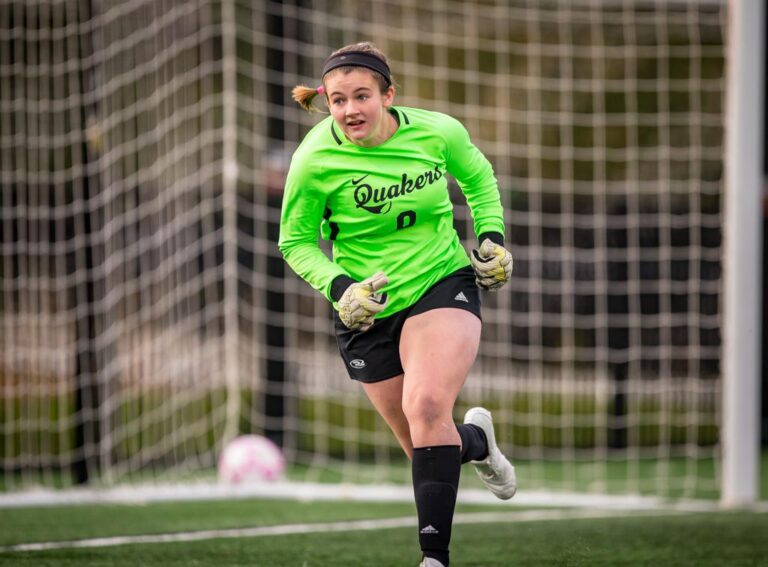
374, 355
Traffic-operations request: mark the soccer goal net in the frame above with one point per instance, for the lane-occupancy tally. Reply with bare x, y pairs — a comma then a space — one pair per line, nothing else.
146, 315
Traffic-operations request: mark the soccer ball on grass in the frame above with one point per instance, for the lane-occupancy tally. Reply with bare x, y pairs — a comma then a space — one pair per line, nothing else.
250, 458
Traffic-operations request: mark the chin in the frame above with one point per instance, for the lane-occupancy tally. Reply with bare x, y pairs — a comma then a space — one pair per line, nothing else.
359, 136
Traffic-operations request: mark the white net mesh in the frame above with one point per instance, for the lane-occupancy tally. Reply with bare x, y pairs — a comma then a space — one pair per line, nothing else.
146, 313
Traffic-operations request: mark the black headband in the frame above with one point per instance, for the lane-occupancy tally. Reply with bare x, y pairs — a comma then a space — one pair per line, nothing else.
357, 59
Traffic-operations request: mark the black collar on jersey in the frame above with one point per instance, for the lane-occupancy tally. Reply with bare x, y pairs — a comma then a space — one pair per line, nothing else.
393, 111
358, 59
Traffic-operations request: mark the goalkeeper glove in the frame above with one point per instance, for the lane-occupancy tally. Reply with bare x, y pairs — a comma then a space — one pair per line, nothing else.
492, 265
360, 303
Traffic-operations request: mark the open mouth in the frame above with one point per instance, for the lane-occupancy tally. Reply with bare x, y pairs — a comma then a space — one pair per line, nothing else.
355, 124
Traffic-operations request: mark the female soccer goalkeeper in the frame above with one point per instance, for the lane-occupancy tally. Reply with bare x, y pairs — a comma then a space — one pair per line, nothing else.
372, 178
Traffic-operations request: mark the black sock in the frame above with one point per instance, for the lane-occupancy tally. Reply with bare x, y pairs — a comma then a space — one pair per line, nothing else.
436, 473
474, 445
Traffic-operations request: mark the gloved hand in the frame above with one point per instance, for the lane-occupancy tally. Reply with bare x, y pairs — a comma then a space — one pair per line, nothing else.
492, 265
359, 303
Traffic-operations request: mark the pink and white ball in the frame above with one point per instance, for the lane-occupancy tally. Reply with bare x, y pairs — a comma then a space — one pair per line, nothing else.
250, 458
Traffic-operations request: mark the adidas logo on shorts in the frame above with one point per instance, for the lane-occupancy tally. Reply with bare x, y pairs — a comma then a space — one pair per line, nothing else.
429, 530
461, 297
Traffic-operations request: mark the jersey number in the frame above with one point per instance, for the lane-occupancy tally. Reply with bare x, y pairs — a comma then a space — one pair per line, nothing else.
406, 219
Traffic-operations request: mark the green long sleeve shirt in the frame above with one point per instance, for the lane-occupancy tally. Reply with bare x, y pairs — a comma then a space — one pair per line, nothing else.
385, 208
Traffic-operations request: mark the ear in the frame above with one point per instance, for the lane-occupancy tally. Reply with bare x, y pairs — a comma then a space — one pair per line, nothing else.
388, 97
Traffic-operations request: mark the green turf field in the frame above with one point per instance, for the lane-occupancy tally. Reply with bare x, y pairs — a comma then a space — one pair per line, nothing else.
522, 537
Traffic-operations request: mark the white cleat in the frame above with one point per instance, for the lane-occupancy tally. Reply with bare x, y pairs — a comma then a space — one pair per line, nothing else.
430, 562
496, 472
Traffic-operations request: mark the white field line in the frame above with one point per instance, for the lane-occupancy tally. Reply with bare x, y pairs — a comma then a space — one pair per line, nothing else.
346, 526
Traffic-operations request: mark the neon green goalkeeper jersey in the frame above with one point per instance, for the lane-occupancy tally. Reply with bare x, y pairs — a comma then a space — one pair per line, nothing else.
385, 208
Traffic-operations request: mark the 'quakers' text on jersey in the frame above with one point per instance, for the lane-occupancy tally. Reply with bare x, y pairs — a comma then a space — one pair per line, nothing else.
369, 198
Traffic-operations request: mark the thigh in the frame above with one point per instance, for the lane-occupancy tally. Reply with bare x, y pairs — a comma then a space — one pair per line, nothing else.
437, 349
387, 397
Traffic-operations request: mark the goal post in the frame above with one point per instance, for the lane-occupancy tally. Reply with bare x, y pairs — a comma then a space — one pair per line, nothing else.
743, 255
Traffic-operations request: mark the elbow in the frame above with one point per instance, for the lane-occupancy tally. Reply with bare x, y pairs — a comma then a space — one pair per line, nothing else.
285, 249
293, 249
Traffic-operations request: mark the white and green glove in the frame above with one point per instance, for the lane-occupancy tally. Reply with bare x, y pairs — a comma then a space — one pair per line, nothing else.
360, 303
492, 265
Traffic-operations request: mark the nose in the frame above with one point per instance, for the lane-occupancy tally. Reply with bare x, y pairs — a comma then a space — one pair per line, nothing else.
351, 108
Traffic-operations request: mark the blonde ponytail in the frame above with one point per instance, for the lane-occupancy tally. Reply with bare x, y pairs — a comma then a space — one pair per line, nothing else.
305, 95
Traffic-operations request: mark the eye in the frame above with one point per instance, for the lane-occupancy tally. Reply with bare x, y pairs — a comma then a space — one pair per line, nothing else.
362, 97
337, 101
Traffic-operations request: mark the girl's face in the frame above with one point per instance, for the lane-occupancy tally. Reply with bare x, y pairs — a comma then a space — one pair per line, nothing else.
359, 108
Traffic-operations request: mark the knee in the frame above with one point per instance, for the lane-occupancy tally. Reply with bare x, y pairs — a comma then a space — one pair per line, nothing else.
425, 409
